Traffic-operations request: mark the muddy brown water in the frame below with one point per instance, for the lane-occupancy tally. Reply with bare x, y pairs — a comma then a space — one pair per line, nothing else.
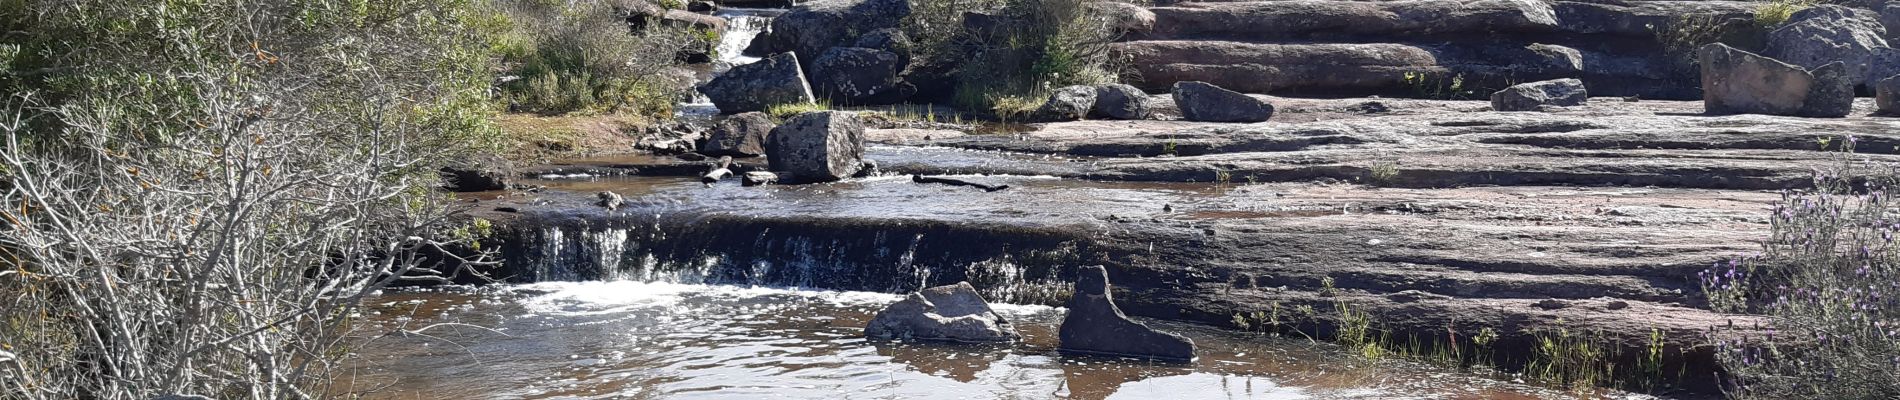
634, 340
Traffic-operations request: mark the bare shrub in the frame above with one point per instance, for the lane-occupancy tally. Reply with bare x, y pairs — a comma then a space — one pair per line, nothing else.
198, 199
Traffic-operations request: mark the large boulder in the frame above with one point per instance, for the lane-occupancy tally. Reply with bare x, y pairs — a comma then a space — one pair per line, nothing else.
1067, 104
1120, 101
1201, 101
857, 75
478, 174
814, 27
754, 87
1825, 34
888, 39
741, 135
1887, 96
1095, 325
946, 313
819, 146
1739, 82
1534, 96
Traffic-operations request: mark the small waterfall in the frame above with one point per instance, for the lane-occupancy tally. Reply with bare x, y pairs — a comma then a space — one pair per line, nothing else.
1033, 268
742, 26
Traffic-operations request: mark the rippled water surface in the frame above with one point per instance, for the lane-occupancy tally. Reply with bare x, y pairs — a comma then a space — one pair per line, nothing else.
610, 340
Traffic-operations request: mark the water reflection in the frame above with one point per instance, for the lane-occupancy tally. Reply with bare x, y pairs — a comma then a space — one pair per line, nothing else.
611, 340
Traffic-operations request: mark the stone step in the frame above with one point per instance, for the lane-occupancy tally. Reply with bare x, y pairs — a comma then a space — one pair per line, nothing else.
1397, 69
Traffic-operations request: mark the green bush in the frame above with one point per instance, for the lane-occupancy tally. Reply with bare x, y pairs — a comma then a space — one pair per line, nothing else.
1828, 282
564, 57
1042, 45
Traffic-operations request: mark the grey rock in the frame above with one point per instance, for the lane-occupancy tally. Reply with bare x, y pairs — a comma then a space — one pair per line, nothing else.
813, 27
1201, 101
741, 135
1301, 18
1887, 95
1067, 104
1825, 34
1095, 325
1534, 96
856, 75
756, 178
1890, 19
1739, 82
1120, 101
892, 40
478, 174
945, 313
819, 146
754, 87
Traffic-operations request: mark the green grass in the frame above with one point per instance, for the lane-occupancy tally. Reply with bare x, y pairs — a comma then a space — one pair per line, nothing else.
788, 110
1774, 13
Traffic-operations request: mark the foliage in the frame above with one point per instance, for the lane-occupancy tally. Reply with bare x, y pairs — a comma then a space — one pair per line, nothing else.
200, 191
564, 57
788, 110
1826, 281
1774, 12
1038, 45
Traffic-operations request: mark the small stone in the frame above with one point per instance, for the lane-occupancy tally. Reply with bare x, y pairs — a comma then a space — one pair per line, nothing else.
1202, 101
756, 178
944, 313
1095, 325
1535, 96
1617, 305
1551, 304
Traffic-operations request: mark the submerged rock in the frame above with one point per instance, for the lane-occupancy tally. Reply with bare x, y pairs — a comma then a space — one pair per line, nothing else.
610, 200
1204, 102
754, 87
949, 313
1739, 82
819, 146
740, 135
1120, 101
1096, 325
1568, 92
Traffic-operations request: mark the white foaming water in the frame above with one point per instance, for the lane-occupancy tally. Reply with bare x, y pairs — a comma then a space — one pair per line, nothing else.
603, 297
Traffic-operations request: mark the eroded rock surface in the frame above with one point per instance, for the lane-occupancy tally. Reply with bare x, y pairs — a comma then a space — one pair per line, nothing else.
1095, 325
945, 313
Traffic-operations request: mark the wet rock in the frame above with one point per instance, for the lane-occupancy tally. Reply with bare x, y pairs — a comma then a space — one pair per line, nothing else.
741, 135
819, 146
1825, 34
1096, 325
1739, 82
478, 174
701, 6
813, 27
1204, 102
756, 178
945, 313
857, 75
609, 200
756, 86
1120, 101
1535, 95
1887, 95
1067, 104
